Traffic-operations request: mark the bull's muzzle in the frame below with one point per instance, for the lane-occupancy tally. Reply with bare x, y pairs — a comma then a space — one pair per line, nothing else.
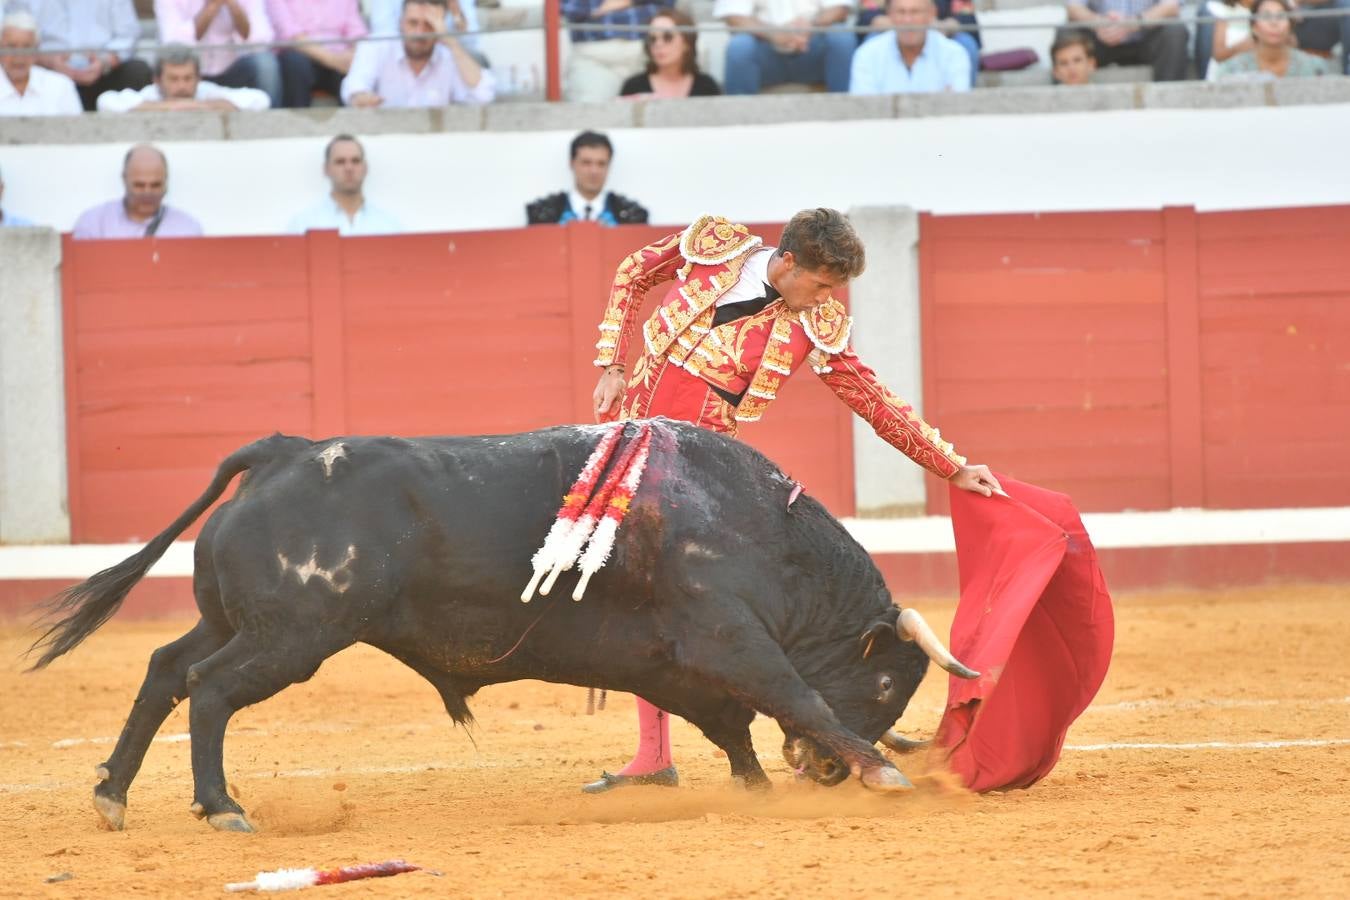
912, 627
806, 759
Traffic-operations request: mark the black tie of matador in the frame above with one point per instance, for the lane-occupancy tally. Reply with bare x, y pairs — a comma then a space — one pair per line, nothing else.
730, 312
587, 214
733, 311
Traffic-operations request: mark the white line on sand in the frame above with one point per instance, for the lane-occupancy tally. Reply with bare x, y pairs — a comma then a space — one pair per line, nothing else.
1212, 745
458, 766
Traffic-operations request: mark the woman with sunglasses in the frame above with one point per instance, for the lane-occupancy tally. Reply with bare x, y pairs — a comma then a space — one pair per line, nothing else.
672, 62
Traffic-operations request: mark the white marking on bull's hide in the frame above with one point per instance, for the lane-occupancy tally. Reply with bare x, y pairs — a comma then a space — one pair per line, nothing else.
339, 578
331, 454
700, 551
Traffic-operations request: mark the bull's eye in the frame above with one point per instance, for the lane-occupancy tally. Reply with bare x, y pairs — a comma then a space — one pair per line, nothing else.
885, 683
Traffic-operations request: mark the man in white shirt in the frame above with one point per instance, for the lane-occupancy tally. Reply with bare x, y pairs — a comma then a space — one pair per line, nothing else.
27, 89
419, 70
913, 59
345, 208
179, 86
759, 54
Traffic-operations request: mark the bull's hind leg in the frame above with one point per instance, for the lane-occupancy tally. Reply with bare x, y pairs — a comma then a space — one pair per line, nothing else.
164, 687
243, 672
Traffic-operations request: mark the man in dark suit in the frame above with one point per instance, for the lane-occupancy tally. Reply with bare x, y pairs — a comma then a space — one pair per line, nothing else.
587, 200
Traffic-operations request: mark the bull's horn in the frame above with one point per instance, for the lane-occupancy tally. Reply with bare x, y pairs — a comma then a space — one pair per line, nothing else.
901, 744
912, 627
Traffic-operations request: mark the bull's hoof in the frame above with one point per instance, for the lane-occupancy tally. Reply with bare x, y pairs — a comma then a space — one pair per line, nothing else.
113, 813
229, 821
886, 779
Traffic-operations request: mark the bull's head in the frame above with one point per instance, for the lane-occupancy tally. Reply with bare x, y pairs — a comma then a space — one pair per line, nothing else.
869, 691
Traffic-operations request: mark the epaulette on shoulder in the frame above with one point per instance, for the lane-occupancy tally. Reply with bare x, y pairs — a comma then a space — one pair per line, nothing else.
713, 240
828, 326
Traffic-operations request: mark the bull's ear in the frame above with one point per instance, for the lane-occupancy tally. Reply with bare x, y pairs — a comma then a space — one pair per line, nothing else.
880, 628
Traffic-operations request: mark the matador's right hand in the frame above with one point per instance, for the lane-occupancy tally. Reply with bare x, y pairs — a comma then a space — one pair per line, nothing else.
608, 393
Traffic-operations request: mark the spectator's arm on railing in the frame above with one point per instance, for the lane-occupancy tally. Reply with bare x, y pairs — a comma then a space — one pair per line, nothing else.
358, 88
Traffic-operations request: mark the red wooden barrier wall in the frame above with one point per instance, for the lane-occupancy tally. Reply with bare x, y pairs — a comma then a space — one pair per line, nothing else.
179, 351
1134, 360
1145, 360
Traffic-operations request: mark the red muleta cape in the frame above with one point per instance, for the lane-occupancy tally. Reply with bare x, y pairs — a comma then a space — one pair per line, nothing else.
1035, 620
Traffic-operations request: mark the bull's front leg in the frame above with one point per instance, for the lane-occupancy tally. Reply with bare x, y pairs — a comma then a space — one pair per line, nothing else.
758, 674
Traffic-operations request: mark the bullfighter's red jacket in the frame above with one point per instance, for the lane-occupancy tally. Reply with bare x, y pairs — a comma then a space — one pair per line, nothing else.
751, 356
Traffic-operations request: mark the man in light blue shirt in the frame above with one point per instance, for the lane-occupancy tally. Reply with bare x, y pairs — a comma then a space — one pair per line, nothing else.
345, 208
7, 219
914, 59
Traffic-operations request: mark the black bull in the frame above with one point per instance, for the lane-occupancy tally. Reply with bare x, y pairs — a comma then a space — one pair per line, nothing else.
721, 598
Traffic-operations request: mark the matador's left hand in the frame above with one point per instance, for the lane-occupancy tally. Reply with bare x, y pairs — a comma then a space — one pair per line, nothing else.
977, 479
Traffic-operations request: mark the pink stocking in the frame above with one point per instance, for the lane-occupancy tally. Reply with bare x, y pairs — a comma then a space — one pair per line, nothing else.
653, 753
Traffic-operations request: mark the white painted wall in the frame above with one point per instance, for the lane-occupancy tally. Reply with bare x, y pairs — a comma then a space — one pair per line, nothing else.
1143, 159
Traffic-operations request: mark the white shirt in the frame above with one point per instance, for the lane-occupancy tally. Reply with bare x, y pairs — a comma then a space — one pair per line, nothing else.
49, 94
579, 204
776, 12
878, 67
381, 67
754, 275
1239, 27
326, 214
128, 99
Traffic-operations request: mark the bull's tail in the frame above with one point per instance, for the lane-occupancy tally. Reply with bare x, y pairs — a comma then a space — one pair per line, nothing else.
79, 611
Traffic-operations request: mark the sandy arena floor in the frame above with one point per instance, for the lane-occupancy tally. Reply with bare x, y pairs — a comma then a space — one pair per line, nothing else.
1214, 763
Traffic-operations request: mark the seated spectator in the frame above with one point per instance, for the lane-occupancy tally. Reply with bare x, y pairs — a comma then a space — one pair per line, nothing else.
587, 200
1224, 39
758, 57
909, 59
141, 211
672, 61
8, 219
1072, 56
385, 16
1161, 46
599, 61
952, 15
1319, 35
178, 85
217, 26
1273, 56
418, 70
345, 208
27, 89
70, 27
309, 66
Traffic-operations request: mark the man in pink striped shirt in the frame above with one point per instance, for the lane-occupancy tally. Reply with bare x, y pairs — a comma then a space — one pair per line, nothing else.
309, 66
420, 70
217, 27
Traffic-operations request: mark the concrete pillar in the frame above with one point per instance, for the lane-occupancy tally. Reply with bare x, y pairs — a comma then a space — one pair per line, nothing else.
884, 302
32, 393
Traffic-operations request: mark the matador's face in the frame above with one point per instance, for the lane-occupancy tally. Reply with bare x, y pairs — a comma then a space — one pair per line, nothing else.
803, 288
